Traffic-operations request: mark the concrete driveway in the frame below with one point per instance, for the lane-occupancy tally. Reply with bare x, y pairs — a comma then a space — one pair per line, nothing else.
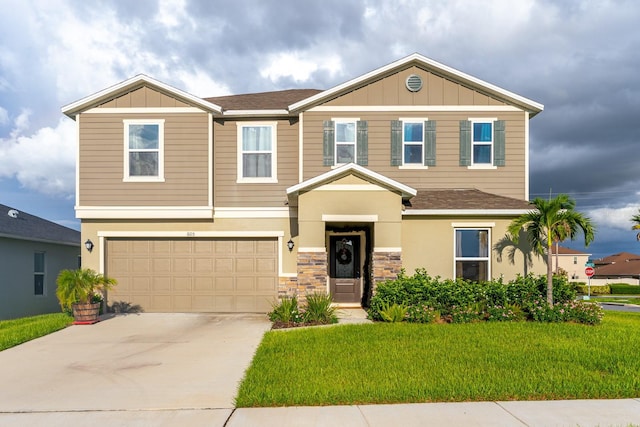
135, 369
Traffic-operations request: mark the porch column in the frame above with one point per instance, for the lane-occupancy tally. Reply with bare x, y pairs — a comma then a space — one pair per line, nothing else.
385, 265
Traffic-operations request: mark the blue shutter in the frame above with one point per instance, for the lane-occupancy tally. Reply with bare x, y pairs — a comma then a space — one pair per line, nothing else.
362, 143
396, 142
430, 143
499, 149
465, 143
328, 143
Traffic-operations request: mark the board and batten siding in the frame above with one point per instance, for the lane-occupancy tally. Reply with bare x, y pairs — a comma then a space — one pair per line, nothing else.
144, 97
228, 192
391, 90
186, 162
508, 180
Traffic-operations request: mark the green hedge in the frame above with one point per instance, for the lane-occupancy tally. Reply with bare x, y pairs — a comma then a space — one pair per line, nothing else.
624, 289
464, 301
595, 289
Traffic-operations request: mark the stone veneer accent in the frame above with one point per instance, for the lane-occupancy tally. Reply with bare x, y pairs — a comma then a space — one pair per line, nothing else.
385, 266
312, 273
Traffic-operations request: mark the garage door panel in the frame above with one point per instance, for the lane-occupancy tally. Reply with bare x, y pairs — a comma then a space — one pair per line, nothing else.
246, 284
245, 265
160, 283
266, 265
203, 284
224, 284
208, 275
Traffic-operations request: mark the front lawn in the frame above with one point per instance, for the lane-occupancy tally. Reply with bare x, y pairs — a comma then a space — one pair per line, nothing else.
17, 331
402, 362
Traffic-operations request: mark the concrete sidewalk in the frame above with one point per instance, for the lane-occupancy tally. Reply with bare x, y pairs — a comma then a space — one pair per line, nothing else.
584, 413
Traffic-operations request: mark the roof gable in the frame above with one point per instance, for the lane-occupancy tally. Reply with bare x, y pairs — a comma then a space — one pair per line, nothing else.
356, 170
21, 225
429, 65
133, 84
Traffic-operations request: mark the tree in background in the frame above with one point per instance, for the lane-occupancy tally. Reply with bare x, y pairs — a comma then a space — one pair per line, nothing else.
636, 226
551, 222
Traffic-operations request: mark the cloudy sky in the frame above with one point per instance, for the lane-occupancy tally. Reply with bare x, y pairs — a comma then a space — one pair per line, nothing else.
580, 59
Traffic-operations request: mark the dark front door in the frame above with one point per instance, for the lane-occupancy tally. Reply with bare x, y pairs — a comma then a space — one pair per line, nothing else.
345, 282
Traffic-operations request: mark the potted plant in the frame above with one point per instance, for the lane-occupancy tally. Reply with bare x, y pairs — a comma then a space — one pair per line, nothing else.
77, 291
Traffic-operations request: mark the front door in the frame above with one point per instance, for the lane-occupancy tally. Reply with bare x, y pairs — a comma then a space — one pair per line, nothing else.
345, 283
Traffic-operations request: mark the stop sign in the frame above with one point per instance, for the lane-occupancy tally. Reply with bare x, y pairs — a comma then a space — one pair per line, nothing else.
589, 271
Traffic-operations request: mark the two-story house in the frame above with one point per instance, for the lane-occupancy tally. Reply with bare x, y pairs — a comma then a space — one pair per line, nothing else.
222, 204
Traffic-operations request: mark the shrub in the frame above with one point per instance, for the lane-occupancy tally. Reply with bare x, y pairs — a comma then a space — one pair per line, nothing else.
570, 311
465, 314
595, 290
286, 311
504, 313
318, 309
394, 313
624, 289
422, 313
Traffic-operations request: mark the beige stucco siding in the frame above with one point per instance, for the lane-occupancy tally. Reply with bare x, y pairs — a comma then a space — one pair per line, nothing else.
374, 205
436, 90
228, 192
186, 162
428, 243
447, 173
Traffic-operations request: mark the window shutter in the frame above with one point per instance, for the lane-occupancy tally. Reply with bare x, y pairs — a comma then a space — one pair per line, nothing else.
465, 143
396, 142
328, 143
499, 149
430, 143
362, 143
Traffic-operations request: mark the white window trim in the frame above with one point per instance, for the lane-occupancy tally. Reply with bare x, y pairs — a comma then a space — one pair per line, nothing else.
406, 165
483, 165
42, 273
489, 247
274, 154
160, 177
335, 139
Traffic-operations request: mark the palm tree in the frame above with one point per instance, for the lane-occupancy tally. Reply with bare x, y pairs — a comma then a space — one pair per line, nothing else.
636, 226
552, 221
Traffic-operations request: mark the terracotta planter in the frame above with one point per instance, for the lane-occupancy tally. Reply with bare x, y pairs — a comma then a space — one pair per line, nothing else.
86, 314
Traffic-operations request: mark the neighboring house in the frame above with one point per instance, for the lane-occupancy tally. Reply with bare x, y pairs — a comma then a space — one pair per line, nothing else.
623, 267
32, 253
222, 204
572, 261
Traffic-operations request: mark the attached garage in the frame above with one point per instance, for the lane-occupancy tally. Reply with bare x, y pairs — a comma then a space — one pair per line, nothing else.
194, 275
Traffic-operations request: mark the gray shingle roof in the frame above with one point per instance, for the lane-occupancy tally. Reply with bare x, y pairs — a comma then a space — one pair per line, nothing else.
30, 227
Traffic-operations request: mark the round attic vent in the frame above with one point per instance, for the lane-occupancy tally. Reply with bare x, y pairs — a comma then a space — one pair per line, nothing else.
414, 83
13, 213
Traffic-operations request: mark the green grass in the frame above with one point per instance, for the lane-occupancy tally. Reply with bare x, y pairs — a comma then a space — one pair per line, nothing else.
393, 363
17, 331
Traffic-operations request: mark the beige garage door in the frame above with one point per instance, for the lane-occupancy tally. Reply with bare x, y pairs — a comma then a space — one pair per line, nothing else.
194, 275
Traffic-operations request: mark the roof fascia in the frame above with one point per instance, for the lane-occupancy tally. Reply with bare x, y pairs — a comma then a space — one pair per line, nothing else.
358, 171
75, 107
456, 75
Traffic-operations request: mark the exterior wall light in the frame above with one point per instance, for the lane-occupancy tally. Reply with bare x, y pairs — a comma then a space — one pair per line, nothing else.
290, 245
89, 245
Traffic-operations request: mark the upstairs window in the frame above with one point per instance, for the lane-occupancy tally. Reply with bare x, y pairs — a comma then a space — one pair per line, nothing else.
144, 150
257, 152
38, 273
345, 141
482, 143
413, 143
472, 254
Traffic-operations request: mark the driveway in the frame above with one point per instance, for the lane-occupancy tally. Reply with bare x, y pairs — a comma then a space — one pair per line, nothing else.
134, 362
